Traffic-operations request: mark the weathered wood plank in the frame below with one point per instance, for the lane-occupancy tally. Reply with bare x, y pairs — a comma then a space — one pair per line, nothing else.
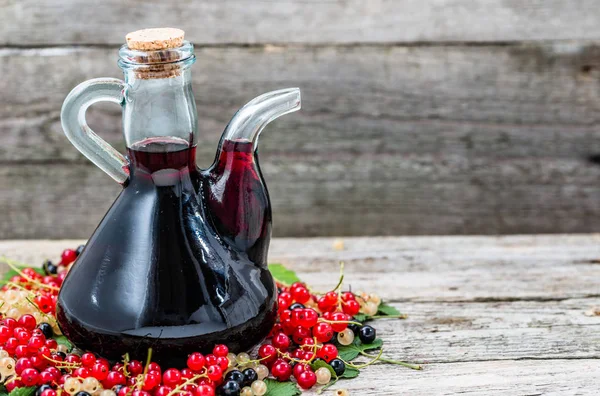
430, 269
450, 139
503, 378
300, 21
501, 102
481, 348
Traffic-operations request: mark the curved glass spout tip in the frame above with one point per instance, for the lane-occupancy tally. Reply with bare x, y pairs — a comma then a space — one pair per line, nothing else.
251, 119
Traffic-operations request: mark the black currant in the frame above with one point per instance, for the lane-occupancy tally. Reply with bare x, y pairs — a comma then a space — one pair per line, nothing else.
49, 268
117, 388
296, 306
61, 354
46, 329
235, 375
42, 388
229, 388
354, 327
249, 376
82, 393
338, 366
79, 249
367, 334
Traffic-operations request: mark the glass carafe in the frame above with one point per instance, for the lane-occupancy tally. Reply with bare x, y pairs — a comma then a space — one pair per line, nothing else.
179, 262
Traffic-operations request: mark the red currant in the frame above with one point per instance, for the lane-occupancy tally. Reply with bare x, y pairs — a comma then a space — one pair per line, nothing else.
30, 377
22, 364
205, 390
100, 371
339, 317
281, 342
72, 358
268, 353
11, 385
223, 362
44, 303
196, 361
68, 256
324, 305
281, 370
115, 378
299, 369
348, 296
35, 343
210, 360
124, 391
82, 372
351, 307
5, 333
153, 366
163, 390
307, 379
300, 334
10, 323
51, 344
307, 344
328, 352
151, 381
323, 332
300, 294
27, 321
135, 367
220, 350
214, 372
48, 392
38, 362
88, 359
186, 373
46, 377
311, 317
11, 344
171, 377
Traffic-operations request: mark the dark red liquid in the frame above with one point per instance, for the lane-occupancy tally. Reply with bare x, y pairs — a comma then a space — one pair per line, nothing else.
178, 263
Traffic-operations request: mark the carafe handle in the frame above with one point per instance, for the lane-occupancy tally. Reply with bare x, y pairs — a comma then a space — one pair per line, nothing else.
96, 149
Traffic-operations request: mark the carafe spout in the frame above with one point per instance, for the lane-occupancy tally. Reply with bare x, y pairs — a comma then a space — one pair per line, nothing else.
250, 120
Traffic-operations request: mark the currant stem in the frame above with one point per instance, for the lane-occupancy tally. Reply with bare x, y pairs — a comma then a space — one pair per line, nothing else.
398, 362
340, 321
179, 387
329, 385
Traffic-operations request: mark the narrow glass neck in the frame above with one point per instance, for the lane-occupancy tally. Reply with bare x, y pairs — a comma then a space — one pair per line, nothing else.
159, 107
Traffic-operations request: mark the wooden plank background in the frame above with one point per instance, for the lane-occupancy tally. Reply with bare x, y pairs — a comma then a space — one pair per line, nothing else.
419, 117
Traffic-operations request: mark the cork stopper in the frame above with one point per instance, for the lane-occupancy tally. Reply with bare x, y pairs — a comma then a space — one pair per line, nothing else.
155, 39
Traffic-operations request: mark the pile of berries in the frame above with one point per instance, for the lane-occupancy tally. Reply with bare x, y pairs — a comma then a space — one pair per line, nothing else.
302, 346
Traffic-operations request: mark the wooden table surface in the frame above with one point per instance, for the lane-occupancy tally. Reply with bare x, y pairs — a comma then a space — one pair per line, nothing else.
487, 315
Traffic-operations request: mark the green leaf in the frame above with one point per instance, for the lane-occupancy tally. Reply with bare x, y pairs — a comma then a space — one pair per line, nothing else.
362, 317
3, 391
276, 388
321, 363
350, 372
387, 310
23, 391
282, 274
62, 340
350, 352
11, 272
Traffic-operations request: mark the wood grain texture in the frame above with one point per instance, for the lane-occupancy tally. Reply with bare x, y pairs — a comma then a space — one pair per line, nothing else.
391, 140
300, 21
506, 341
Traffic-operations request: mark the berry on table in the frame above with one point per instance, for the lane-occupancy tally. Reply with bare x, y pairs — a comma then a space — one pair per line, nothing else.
235, 375
220, 350
345, 337
323, 375
259, 388
230, 388
196, 361
68, 256
250, 375
338, 366
367, 334
307, 379
49, 268
281, 370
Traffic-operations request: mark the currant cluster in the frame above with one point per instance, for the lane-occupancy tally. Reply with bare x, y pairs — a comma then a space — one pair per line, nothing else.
310, 328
